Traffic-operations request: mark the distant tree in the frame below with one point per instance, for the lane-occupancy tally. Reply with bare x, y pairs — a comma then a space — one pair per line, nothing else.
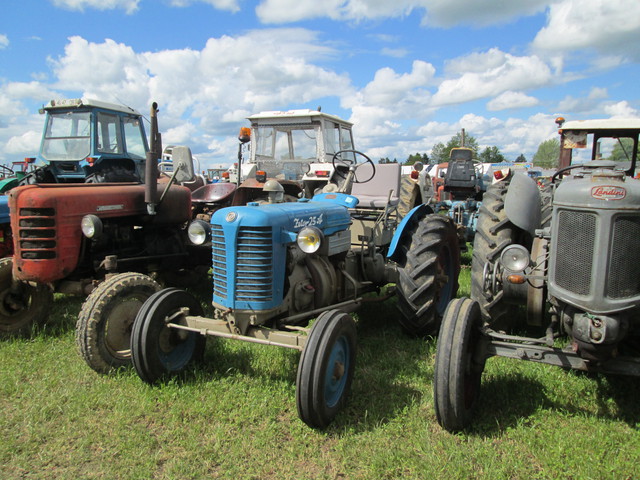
491, 155
438, 154
521, 159
547, 154
622, 150
418, 157
384, 160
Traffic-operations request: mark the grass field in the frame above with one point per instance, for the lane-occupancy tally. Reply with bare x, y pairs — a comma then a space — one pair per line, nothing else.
235, 416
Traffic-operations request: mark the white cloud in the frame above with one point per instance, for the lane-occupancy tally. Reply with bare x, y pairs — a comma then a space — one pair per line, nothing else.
490, 74
4, 41
129, 6
442, 13
394, 52
27, 142
621, 110
611, 27
229, 5
511, 100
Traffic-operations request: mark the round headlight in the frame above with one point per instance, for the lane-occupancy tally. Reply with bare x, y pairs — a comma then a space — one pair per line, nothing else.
309, 239
515, 258
91, 226
199, 232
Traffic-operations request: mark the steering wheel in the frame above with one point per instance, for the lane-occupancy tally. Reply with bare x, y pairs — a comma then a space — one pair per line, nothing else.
352, 165
6, 170
588, 165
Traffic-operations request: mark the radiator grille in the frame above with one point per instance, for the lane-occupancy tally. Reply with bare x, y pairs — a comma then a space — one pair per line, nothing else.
252, 274
575, 244
37, 233
623, 279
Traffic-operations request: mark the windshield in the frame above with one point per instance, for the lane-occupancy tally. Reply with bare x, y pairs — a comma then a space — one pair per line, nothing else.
67, 136
587, 146
286, 151
134, 137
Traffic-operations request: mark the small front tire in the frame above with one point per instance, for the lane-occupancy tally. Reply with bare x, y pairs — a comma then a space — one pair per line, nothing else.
326, 368
457, 371
158, 350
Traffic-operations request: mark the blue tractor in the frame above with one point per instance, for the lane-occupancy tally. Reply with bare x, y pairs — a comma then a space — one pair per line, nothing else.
288, 274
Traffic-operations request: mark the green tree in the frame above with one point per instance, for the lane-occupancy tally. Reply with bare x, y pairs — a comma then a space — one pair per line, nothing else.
440, 152
521, 159
384, 160
622, 150
491, 155
418, 157
547, 154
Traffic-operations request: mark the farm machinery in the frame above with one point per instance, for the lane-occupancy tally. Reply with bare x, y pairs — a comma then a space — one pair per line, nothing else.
287, 274
566, 254
115, 240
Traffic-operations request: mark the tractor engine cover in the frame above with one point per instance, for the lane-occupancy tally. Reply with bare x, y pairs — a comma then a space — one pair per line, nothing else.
595, 244
250, 248
47, 229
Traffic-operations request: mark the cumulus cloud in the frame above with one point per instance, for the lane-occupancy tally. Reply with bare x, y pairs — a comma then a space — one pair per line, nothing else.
4, 41
129, 6
228, 5
488, 74
511, 100
621, 110
441, 13
611, 27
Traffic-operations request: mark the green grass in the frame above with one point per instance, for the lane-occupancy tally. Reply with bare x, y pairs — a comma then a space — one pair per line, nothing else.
235, 416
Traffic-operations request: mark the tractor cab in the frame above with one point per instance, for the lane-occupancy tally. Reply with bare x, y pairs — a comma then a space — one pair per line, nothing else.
298, 145
84, 137
582, 141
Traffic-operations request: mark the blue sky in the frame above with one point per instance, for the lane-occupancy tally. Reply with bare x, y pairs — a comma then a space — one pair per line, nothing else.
408, 73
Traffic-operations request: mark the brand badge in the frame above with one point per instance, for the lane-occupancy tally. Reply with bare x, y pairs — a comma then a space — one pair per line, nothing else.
608, 192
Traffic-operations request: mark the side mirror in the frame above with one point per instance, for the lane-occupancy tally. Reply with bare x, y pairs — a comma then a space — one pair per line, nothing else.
182, 164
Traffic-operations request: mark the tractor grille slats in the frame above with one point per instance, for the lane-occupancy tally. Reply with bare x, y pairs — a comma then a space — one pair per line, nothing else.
623, 280
37, 233
575, 243
251, 277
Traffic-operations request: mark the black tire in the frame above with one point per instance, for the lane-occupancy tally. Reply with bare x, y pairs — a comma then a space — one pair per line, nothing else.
409, 196
326, 368
21, 309
157, 350
103, 329
428, 279
457, 377
494, 232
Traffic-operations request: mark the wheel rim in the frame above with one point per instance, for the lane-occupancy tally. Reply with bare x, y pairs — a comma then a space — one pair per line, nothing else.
335, 378
7, 307
119, 325
175, 348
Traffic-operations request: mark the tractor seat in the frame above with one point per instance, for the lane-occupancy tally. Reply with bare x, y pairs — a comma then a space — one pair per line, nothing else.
375, 192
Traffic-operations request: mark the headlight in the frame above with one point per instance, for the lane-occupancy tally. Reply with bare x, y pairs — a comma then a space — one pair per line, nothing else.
91, 226
515, 258
199, 232
309, 239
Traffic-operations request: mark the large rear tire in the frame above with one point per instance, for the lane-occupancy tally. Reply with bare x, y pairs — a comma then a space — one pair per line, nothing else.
158, 350
494, 232
428, 280
21, 309
326, 368
457, 374
103, 330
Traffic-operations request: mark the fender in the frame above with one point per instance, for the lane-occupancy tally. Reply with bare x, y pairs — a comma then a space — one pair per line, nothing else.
414, 215
522, 203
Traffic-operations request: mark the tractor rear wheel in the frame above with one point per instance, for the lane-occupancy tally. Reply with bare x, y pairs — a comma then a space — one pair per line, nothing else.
158, 350
428, 280
21, 309
326, 368
457, 374
494, 232
103, 330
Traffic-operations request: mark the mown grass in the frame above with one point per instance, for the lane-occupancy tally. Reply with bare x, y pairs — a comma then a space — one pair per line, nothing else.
235, 416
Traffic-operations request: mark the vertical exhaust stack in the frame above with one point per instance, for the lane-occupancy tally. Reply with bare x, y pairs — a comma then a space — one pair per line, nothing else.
151, 165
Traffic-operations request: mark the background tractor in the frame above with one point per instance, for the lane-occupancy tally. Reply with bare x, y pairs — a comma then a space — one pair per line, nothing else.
277, 266
566, 254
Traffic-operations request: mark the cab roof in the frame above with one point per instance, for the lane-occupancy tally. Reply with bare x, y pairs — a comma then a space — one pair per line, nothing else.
294, 117
88, 102
602, 124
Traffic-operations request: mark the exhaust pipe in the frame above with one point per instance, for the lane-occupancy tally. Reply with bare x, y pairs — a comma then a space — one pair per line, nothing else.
151, 165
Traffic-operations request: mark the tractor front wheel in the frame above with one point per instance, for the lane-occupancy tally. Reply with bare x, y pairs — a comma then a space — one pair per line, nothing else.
326, 368
428, 280
158, 350
103, 330
457, 373
21, 307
